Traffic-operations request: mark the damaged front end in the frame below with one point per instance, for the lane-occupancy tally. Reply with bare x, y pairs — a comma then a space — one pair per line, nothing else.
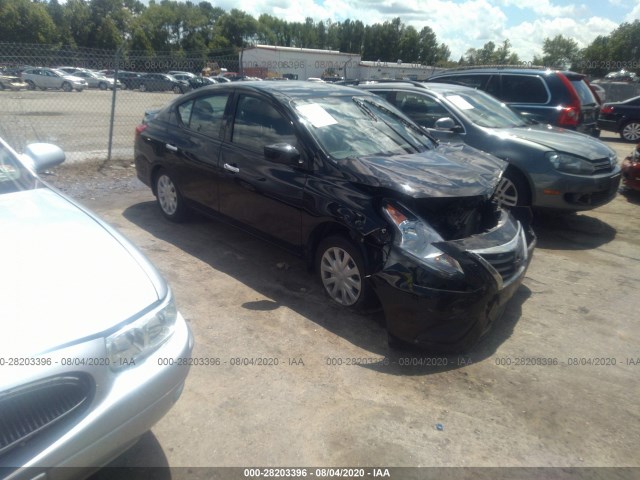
450, 269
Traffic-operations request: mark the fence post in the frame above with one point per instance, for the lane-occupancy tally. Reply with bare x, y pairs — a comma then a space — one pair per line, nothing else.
113, 100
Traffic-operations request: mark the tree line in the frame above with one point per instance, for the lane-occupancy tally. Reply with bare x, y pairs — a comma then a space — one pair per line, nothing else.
177, 27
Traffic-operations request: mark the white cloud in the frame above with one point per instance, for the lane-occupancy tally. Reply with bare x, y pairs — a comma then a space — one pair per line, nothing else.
542, 7
527, 38
634, 14
461, 24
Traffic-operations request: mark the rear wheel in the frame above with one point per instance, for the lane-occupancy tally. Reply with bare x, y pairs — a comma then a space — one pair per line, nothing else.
102, 86
169, 198
340, 267
177, 89
143, 87
66, 86
512, 191
631, 131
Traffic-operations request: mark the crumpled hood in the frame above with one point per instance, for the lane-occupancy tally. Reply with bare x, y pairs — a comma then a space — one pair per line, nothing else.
447, 171
64, 275
561, 140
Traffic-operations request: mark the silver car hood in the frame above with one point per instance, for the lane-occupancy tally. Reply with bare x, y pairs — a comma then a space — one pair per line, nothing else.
46, 299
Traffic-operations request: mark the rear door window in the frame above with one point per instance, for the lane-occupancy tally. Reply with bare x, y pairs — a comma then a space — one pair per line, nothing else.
204, 114
523, 89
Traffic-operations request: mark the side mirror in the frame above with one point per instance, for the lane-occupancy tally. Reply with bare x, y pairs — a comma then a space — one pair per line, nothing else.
282, 153
44, 156
447, 123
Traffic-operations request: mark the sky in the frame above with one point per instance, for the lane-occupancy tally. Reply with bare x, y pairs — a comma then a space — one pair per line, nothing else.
464, 24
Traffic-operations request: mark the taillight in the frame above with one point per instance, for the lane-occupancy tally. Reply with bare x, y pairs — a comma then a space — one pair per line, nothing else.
569, 117
606, 109
141, 128
569, 114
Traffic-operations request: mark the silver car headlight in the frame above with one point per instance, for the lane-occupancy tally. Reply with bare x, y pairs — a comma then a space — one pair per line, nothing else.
416, 238
143, 336
565, 162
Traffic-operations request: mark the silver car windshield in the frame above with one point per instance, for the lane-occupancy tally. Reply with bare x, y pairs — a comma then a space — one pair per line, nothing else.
346, 126
484, 110
13, 175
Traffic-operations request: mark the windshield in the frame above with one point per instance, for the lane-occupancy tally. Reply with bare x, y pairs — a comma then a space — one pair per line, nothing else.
484, 110
347, 126
13, 175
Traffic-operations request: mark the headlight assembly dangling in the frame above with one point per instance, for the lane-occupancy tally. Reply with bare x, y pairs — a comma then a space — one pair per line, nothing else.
415, 237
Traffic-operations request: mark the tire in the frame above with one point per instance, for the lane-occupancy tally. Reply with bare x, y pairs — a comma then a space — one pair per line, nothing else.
31, 85
143, 87
123, 86
340, 268
80, 89
66, 86
102, 86
169, 198
177, 89
631, 131
513, 190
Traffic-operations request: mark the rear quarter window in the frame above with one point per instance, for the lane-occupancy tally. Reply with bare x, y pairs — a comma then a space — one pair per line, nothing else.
523, 89
584, 92
474, 81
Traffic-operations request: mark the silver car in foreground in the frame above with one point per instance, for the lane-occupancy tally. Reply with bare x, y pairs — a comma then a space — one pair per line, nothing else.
93, 351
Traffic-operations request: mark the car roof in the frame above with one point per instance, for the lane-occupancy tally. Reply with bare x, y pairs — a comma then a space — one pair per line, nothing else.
291, 90
438, 88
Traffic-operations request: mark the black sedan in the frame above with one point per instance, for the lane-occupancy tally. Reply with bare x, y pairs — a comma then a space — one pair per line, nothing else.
384, 215
622, 118
162, 82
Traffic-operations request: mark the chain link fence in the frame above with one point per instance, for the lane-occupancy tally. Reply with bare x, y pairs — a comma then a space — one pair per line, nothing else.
94, 121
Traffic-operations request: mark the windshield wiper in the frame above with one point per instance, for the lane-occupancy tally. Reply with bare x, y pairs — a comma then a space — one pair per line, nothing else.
363, 106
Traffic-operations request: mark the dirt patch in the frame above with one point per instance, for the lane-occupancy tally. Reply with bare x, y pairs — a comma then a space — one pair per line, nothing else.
94, 179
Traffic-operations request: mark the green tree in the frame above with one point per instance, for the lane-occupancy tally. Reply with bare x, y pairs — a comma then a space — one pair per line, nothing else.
409, 45
238, 27
560, 52
22, 21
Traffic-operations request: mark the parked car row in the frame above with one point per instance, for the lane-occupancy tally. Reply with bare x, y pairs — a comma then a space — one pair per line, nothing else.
178, 82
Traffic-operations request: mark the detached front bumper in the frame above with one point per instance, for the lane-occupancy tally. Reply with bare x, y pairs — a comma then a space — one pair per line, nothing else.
441, 315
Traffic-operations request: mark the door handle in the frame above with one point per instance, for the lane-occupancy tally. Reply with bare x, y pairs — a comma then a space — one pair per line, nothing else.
171, 147
231, 168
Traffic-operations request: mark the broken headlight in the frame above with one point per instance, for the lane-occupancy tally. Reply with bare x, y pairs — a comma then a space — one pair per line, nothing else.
415, 237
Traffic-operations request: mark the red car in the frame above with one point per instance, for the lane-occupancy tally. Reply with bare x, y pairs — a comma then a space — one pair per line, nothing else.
631, 170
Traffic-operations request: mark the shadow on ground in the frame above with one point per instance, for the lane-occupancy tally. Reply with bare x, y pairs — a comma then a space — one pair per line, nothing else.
578, 231
284, 280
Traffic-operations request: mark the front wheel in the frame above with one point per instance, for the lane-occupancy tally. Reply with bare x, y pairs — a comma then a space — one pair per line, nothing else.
340, 267
102, 86
169, 198
177, 89
631, 131
31, 85
512, 191
143, 87
66, 86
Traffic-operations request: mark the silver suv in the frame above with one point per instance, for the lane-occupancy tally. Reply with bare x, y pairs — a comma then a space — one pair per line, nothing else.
44, 78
